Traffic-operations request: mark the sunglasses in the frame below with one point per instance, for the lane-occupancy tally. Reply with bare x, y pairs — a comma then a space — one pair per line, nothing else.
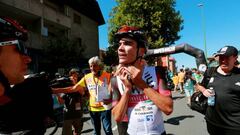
134, 32
18, 43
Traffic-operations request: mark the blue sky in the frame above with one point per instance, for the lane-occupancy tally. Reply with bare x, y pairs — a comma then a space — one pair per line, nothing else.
221, 19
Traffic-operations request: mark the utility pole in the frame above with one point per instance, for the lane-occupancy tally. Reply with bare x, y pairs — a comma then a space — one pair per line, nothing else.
203, 29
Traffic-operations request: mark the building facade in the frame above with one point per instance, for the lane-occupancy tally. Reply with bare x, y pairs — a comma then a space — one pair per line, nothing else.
167, 62
46, 19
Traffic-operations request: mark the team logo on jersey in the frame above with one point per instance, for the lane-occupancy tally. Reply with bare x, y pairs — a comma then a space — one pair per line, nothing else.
149, 79
211, 80
237, 83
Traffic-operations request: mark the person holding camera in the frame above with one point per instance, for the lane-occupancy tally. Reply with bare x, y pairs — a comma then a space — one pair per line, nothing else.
72, 113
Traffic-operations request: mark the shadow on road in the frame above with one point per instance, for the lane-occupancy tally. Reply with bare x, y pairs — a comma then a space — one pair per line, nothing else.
87, 131
84, 119
176, 120
178, 97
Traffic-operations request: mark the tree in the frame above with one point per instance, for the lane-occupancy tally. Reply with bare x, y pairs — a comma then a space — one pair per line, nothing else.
111, 56
158, 18
62, 53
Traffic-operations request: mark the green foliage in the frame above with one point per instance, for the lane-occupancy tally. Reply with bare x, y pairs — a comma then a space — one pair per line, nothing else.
158, 18
62, 53
111, 57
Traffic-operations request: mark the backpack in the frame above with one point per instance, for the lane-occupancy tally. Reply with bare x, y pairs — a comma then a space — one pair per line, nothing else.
198, 100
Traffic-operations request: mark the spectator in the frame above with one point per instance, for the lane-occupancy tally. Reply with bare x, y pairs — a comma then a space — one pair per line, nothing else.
97, 82
223, 117
175, 81
189, 82
72, 108
197, 75
181, 76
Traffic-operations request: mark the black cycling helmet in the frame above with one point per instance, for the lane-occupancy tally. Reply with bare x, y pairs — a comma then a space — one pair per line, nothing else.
11, 29
12, 33
132, 32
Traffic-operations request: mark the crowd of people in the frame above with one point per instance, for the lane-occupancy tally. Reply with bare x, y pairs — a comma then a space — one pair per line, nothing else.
185, 82
136, 94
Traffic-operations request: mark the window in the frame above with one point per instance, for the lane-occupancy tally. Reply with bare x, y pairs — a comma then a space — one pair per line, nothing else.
66, 10
77, 18
79, 41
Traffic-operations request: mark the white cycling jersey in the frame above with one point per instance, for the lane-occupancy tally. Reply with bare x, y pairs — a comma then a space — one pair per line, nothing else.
145, 118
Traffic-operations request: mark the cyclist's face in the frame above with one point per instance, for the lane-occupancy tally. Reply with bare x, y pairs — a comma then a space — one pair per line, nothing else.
13, 64
127, 50
227, 63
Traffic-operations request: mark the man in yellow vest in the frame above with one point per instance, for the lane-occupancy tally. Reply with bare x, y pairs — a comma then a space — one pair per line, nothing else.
97, 83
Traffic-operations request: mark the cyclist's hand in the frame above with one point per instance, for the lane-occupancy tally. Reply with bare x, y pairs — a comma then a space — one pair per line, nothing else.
125, 76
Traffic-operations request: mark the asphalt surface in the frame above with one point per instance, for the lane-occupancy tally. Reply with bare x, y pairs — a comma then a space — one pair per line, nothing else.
183, 121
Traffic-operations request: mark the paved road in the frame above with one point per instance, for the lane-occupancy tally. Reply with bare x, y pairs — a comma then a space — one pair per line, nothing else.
183, 121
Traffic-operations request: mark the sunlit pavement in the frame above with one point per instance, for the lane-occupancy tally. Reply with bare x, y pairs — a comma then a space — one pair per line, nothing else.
183, 121
87, 127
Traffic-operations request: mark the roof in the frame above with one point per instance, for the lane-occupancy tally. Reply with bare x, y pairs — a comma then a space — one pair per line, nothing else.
89, 8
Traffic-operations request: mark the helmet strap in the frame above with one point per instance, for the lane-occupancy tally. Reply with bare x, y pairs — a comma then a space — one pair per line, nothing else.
5, 83
137, 57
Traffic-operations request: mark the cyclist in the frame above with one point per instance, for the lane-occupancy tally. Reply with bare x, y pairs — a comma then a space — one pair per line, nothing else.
142, 90
22, 109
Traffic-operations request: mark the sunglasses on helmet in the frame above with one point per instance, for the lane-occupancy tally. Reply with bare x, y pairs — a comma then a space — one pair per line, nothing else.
134, 32
18, 43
